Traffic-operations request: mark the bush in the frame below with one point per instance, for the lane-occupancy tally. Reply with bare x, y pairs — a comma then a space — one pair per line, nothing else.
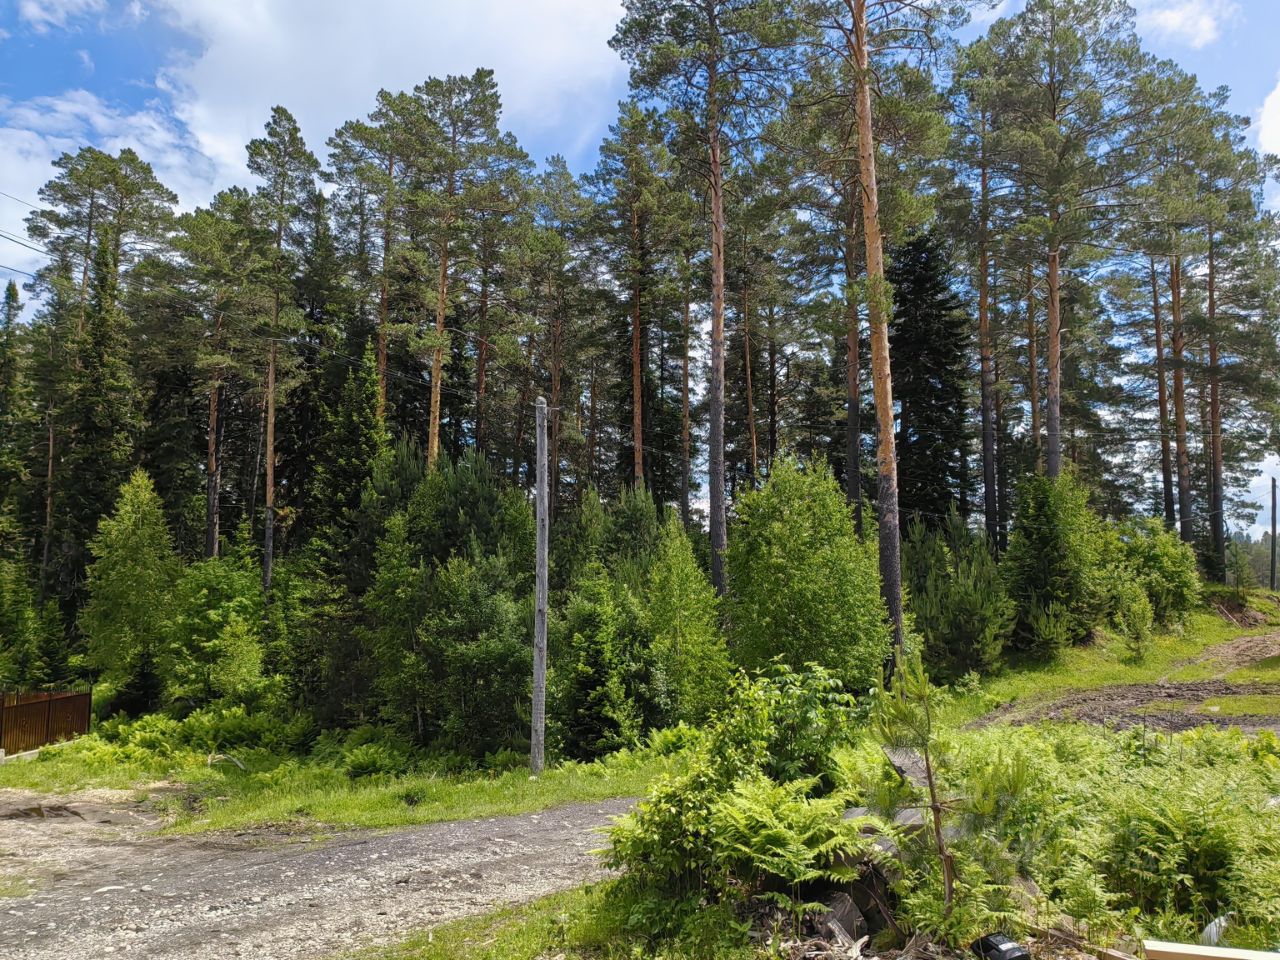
605, 683
802, 586
1052, 567
957, 598
681, 616
1129, 613
768, 757
1164, 566
372, 759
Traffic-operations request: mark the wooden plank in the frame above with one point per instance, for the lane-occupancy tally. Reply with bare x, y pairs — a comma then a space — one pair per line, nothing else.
1164, 950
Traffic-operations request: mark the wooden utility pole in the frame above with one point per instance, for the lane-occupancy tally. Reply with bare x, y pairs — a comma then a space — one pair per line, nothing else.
1273, 533
536, 739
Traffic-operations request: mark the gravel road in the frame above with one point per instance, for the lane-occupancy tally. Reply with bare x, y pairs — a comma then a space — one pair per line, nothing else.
104, 884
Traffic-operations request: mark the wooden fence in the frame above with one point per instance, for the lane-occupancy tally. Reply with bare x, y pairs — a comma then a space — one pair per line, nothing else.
29, 719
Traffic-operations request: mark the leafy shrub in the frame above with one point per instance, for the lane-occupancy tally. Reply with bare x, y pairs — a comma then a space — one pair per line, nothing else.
775, 740
803, 587
1053, 558
1164, 566
957, 598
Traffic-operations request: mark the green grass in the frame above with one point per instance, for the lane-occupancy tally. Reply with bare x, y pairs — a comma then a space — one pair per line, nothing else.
14, 886
306, 795
1242, 705
299, 794
584, 924
1268, 669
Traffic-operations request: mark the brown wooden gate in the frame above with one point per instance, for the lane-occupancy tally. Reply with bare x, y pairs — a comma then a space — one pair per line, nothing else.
30, 719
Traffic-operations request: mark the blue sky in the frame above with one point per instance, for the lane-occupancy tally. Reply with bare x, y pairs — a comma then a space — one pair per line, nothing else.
188, 82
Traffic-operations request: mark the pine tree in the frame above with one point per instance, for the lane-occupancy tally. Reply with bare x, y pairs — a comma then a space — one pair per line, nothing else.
708, 59
287, 170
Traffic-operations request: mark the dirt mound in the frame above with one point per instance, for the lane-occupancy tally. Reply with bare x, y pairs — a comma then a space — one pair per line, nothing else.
1168, 707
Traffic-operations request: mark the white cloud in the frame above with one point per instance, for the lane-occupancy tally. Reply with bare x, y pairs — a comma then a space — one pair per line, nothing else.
991, 11
4, 34
43, 14
326, 59
1268, 122
86, 61
1195, 23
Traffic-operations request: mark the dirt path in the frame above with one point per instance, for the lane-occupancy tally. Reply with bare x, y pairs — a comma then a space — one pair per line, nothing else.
106, 885
1168, 707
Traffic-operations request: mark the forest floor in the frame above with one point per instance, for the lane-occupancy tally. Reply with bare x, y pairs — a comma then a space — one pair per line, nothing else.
95, 879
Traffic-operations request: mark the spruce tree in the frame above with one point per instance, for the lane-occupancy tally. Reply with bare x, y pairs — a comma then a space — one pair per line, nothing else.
929, 327
129, 585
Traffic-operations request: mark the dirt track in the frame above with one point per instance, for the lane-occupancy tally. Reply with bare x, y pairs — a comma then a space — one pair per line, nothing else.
106, 885
1167, 707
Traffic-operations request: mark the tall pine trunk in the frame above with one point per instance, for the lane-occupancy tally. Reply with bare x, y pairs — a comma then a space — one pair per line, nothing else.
269, 519
1053, 393
987, 386
384, 297
1033, 366
746, 363
1162, 403
853, 373
437, 357
685, 457
878, 305
715, 386
637, 377
1217, 505
213, 468
1177, 346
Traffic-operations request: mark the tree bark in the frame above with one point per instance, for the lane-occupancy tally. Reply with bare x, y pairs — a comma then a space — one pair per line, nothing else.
715, 386
685, 458
213, 467
1177, 347
1053, 397
853, 374
878, 305
1033, 367
1162, 402
990, 495
1217, 500
384, 297
637, 379
46, 548
437, 358
746, 363
482, 350
269, 519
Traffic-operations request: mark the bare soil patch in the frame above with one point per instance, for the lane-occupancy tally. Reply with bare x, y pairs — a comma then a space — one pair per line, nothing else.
105, 884
1167, 707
